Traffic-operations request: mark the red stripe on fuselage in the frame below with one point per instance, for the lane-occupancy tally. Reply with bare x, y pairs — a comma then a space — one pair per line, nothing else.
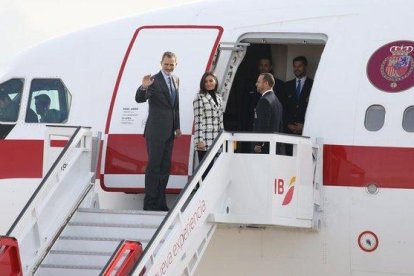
359, 166
21, 159
355, 166
58, 143
127, 154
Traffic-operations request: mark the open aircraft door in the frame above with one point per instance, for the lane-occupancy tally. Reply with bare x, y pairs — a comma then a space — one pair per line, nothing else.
228, 58
124, 156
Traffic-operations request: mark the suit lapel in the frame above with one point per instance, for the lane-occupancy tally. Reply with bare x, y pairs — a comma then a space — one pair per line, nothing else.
164, 87
212, 102
292, 88
306, 89
268, 96
176, 84
210, 99
304, 93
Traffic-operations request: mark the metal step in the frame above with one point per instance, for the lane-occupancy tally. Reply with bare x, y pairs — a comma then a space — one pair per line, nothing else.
118, 216
92, 236
104, 244
70, 260
78, 258
104, 231
67, 271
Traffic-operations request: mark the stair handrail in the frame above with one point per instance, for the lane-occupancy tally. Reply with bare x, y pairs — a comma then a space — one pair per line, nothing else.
126, 264
221, 143
180, 202
37, 232
44, 180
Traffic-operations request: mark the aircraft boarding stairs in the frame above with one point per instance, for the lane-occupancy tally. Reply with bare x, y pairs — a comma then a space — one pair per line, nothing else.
62, 232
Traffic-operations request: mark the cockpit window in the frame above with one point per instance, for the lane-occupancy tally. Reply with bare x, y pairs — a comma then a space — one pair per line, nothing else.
374, 117
49, 102
10, 97
408, 119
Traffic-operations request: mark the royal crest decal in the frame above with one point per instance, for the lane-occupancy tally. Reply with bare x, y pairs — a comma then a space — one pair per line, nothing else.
391, 67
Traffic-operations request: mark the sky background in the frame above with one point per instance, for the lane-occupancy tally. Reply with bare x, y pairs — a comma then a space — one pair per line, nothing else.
24, 23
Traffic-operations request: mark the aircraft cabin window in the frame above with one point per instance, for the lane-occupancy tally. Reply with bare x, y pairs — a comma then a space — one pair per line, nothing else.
49, 101
408, 119
10, 97
374, 117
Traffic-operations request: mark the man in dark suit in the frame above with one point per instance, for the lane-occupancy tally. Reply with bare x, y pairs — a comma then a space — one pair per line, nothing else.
251, 96
297, 92
163, 125
269, 111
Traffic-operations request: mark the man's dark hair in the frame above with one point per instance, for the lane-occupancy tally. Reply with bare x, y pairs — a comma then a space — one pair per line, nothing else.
301, 59
203, 78
267, 77
266, 58
170, 55
43, 98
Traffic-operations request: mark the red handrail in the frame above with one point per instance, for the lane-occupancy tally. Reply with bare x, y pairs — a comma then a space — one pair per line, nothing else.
134, 249
10, 263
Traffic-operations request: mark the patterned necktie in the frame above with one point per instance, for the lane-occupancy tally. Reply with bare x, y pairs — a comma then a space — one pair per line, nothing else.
298, 90
172, 90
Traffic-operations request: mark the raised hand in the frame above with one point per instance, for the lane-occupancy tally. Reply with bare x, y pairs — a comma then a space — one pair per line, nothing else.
147, 81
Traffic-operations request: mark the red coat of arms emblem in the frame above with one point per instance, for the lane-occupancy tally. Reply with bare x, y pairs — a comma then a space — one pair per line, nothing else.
395, 63
399, 65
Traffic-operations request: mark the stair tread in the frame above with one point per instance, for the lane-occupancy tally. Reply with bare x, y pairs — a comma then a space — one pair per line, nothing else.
86, 267
98, 239
118, 211
97, 233
102, 239
134, 233
79, 252
115, 225
76, 259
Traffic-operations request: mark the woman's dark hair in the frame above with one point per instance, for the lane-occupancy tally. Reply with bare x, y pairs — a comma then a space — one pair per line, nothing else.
203, 78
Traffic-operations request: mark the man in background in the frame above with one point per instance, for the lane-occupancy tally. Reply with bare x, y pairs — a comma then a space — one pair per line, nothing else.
252, 96
269, 111
297, 97
47, 115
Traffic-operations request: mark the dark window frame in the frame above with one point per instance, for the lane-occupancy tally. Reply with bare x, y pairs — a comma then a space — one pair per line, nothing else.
404, 120
64, 98
367, 120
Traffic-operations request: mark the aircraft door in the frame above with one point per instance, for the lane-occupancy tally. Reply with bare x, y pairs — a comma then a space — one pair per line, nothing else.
229, 56
125, 155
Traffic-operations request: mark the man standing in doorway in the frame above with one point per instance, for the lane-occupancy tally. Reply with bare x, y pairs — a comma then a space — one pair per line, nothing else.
297, 97
268, 111
265, 65
163, 125
252, 96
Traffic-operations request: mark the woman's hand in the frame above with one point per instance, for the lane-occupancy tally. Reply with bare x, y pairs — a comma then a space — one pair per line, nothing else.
201, 146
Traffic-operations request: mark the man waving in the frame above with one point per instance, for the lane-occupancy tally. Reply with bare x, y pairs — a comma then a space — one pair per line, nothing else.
163, 125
